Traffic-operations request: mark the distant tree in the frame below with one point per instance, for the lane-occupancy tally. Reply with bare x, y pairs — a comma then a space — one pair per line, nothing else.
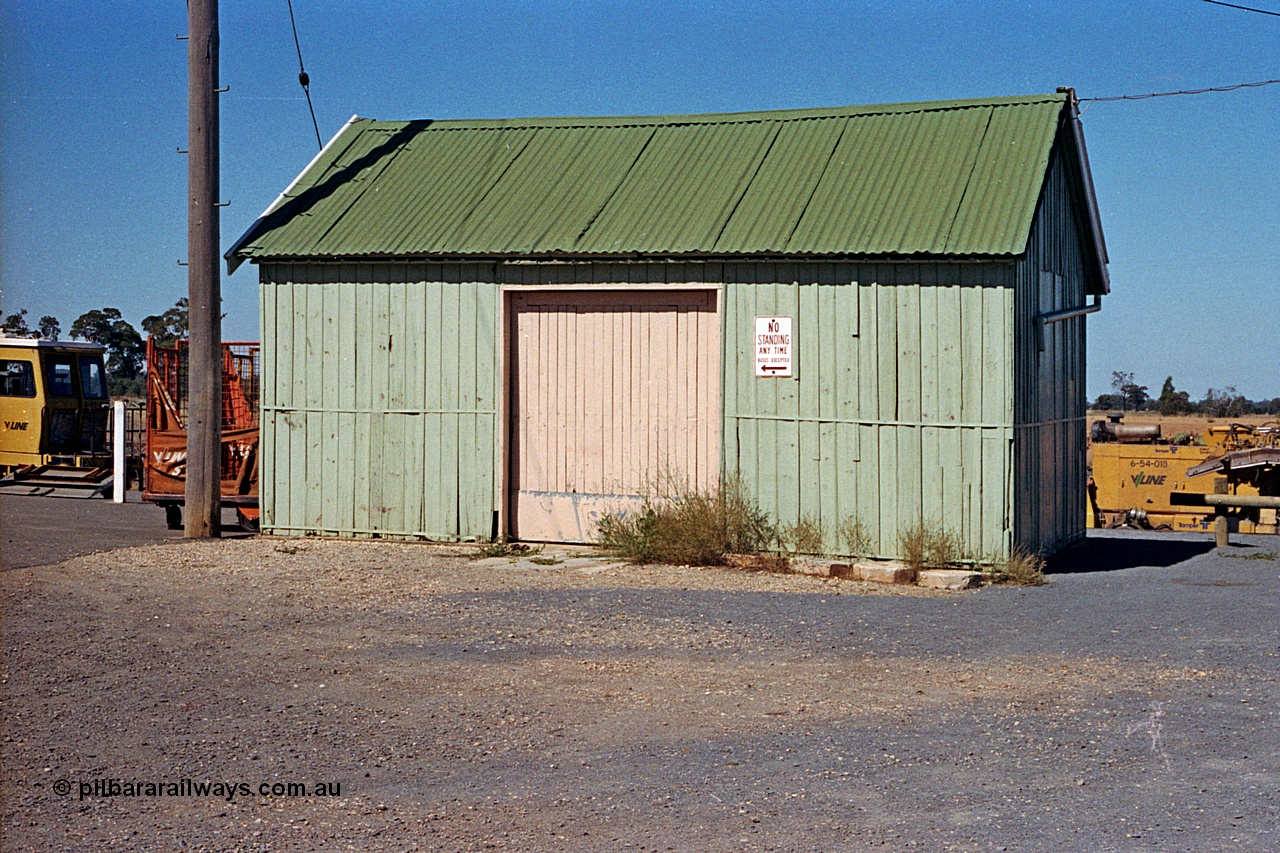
1173, 402
1132, 395
1225, 403
1120, 381
16, 324
134, 389
1137, 396
49, 327
1108, 401
125, 350
169, 326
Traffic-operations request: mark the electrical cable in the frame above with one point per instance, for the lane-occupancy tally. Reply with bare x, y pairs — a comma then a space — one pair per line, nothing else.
302, 76
1243, 8
1206, 90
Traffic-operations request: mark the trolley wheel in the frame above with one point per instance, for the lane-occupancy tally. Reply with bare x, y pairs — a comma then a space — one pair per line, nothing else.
247, 524
173, 516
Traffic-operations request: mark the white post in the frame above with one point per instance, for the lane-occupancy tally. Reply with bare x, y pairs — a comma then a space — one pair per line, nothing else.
121, 475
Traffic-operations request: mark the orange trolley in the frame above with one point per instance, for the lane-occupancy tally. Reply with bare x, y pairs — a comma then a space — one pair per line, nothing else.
164, 477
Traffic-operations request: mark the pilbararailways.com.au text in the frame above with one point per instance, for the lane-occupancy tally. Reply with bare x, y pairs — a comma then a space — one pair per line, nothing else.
227, 790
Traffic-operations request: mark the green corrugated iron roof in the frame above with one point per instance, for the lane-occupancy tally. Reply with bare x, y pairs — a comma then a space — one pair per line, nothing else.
939, 178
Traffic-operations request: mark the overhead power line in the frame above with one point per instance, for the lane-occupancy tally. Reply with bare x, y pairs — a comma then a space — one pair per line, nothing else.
1203, 91
1243, 8
302, 75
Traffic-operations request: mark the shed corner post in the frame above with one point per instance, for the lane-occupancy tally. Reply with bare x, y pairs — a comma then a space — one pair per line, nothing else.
505, 341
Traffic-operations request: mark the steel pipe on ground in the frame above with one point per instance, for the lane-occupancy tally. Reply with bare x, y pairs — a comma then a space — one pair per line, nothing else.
1197, 499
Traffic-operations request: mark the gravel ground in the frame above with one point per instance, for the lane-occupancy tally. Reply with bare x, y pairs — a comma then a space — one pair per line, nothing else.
35, 531
584, 707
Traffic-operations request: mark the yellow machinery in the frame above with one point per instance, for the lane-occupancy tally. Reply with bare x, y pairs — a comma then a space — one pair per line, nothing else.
1139, 480
53, 411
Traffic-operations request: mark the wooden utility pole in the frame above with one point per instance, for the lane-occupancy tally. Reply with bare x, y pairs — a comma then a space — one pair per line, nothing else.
204, 405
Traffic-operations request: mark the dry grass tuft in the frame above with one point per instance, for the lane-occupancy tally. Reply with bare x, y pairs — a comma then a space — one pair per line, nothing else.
944, 548
1021, 568
911, 546
930, 546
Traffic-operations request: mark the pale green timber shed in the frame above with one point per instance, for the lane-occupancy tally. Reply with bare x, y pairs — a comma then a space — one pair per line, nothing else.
479, 328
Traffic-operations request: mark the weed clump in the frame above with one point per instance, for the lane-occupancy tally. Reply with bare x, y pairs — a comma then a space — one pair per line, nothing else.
748, 528
690, 527
930, 546
503, 548
805, 536
1256, 555
855, 536
944, 548
1021, 568
911, 546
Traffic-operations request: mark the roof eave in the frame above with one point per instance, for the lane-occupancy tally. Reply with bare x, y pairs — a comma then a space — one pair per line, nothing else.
1089, 198
647, 257
235, 255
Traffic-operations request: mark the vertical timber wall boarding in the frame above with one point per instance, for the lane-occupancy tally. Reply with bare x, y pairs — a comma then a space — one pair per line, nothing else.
379, 408
900, 409
1050, 469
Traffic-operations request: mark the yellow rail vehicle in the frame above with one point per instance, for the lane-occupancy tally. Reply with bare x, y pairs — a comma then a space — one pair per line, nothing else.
1137, 480
1132, 478
53, 404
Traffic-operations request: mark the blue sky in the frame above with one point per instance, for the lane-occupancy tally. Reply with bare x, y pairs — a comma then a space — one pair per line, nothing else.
93, 108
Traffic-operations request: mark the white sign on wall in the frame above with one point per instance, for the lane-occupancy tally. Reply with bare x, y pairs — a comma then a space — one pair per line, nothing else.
773, 346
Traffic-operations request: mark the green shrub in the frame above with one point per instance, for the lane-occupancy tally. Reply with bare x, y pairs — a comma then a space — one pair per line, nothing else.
688, 527
748, 528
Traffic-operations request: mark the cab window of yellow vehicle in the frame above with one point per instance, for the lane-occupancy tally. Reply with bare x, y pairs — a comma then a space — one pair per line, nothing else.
60, 384
17, 379
93, 384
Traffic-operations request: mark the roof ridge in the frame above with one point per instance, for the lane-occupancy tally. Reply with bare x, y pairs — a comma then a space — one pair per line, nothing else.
744, 117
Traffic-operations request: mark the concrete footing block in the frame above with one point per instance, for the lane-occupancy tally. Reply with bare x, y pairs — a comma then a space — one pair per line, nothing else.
820, 567
885, 573
948, 579
846, 571
759, 562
